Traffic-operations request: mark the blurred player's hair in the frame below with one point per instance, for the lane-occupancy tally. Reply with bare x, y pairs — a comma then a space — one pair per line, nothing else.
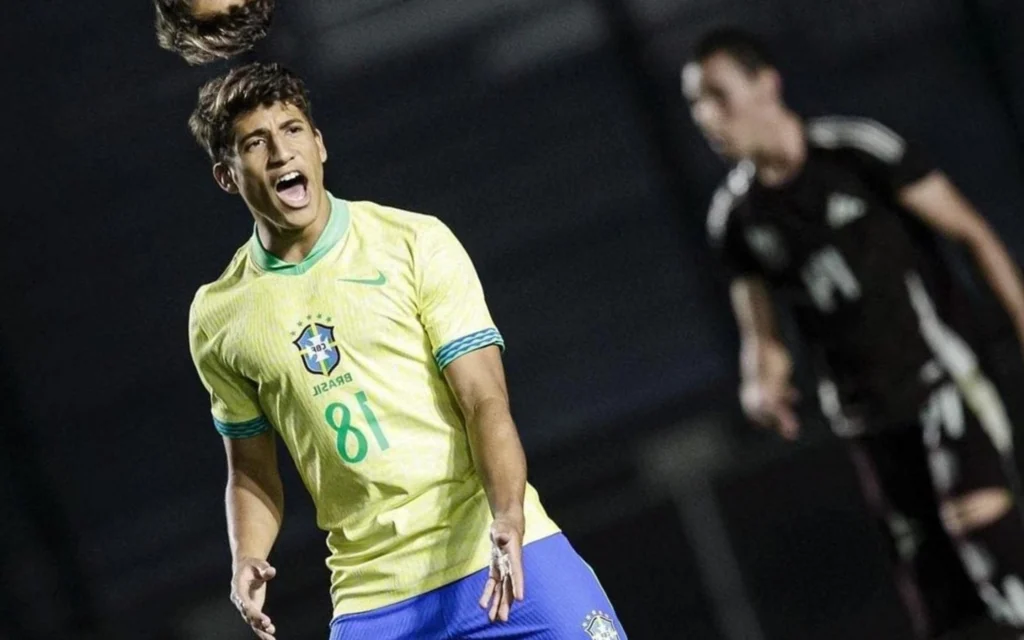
742, 46
204, 40
241, 90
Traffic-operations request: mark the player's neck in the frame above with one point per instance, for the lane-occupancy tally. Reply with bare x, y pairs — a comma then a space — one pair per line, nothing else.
782, 158
293, 245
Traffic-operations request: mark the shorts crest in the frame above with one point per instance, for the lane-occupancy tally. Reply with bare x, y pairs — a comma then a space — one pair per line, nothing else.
599, 626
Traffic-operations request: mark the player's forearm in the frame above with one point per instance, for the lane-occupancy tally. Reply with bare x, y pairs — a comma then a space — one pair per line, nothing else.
254, 512
759, 355
499, 457
755, 319
1001, 273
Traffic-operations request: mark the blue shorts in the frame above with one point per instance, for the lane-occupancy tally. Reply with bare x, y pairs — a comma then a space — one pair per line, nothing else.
564, 601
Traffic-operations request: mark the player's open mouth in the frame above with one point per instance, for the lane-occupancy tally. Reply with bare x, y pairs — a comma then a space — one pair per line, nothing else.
292, 189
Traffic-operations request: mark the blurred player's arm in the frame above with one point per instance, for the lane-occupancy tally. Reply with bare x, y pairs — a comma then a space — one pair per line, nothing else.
478, 381
766, 391
940, 204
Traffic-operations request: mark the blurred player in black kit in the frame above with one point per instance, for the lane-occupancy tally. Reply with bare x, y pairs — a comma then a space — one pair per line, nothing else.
837, 217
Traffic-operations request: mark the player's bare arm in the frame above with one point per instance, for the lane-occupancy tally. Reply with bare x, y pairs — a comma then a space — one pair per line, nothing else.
766, 392
478, 382
940, 204
255, 504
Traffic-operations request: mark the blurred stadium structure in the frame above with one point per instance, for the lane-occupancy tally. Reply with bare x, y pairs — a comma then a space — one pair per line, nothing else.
551, 136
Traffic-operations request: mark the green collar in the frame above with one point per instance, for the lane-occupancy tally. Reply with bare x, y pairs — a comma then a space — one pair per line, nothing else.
337, 224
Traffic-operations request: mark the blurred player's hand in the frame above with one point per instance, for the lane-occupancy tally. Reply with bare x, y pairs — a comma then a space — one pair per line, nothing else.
249, 592
768, 396
505, 581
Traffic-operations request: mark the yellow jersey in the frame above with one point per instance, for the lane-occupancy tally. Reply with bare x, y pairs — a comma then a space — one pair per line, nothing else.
342, 354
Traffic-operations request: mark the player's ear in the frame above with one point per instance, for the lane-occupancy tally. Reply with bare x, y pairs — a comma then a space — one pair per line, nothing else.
226, 181
320, 145
689, 79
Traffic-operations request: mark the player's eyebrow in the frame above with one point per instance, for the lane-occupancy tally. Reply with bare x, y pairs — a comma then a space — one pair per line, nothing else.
262, 131
290, 122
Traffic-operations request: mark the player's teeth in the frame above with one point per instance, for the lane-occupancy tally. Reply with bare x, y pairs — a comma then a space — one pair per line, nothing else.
288, 176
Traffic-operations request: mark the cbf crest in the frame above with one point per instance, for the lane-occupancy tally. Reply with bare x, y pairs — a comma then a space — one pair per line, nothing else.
318, 349
599, 626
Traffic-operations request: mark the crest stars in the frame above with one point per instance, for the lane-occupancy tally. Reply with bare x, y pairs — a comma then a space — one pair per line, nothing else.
599, 626
300, 325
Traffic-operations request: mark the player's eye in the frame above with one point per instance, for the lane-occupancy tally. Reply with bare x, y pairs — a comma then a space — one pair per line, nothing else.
252, 144
295, 128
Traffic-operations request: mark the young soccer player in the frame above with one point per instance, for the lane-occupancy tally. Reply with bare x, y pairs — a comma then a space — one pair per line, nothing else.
358, 334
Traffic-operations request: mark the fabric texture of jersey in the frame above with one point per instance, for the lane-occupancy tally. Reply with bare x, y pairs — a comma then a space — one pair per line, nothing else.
564, 601
343, 355
870, 291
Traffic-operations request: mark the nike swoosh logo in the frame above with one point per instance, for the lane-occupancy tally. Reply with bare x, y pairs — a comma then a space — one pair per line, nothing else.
379, 281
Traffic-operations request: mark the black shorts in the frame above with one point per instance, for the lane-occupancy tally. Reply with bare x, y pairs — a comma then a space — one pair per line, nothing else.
961, 444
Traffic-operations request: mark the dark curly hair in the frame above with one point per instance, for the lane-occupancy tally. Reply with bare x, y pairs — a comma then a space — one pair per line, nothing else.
204, 40
238, 92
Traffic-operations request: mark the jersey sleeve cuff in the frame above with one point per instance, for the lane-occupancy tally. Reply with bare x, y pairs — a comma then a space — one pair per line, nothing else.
459, 347
241, 430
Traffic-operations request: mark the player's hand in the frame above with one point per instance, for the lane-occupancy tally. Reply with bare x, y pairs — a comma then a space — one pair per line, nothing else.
770, 404
249, 592
505, 581
767, 395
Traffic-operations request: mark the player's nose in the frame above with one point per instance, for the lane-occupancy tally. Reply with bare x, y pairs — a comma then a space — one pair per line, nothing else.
279, 153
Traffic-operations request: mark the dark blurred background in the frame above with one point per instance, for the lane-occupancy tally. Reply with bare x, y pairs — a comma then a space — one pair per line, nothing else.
551, 136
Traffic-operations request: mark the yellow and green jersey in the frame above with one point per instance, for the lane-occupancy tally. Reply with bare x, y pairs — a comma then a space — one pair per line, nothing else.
343, 354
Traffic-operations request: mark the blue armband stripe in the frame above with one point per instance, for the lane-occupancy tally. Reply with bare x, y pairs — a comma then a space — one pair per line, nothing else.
461, 346
239, 430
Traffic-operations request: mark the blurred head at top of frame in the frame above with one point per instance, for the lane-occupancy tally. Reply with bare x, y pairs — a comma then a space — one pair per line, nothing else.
734, 91
202, 31
256, 124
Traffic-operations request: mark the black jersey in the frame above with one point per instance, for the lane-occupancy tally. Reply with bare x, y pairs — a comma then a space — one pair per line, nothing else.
870, 291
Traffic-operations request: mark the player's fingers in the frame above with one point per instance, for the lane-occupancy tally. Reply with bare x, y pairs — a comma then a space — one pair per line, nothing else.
264, 572
485, 597
498, 601
518, 582
506, 601
788, 425
261, 630
261, 572
518, 585
265, 633
253, 616
263, 624
256, 620
492, 613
